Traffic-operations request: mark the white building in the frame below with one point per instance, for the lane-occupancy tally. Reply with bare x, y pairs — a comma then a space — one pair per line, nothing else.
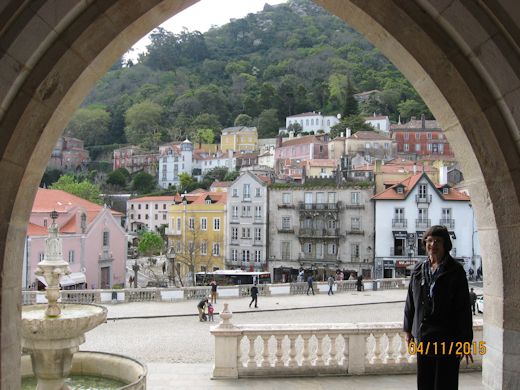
246, 234
379, 122
147, 213
406, 210
174, 159
312, 121
203, 162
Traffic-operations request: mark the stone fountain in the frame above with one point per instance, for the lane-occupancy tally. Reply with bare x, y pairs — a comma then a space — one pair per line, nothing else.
52, 333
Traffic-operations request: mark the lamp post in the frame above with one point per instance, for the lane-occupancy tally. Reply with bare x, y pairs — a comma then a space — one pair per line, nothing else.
171, 259
136, 269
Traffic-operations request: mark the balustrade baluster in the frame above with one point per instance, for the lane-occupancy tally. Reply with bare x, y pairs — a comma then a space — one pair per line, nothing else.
403, 349
279, 351
251, 362
390, 350
319, 351
306, 361
376, 359
240, 356
333, 359
265, 353
343, 361
292, 351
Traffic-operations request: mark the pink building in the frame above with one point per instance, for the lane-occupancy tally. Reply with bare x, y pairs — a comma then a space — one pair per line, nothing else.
296, 150
94, 242
69, 154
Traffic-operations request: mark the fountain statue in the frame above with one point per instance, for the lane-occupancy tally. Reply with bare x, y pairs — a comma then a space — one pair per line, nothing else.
52, 333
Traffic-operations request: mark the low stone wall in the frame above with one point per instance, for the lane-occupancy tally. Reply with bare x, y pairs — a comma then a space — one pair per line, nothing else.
152, 294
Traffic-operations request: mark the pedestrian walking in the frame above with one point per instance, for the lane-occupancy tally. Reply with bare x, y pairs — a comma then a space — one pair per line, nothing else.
254, 296
473, 300
211, 309
331, 284
438, 311
471, 272
200, 306
310, 281
213, 285
359, 283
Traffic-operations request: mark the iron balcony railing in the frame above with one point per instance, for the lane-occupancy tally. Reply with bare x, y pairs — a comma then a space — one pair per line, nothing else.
399, 223
423, 223
313, 232
448, 222
320, 206
423, 198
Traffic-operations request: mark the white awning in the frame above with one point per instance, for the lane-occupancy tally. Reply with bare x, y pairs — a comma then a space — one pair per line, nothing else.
68, 280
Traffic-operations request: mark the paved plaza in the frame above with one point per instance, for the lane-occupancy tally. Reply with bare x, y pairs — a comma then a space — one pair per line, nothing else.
179, 349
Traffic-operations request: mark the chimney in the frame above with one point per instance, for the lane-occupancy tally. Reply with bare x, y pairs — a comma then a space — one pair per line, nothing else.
349, 132
378, 166
443, 175
423, 121
414, 168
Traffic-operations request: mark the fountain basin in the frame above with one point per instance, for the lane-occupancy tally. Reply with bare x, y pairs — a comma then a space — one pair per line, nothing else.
101, 364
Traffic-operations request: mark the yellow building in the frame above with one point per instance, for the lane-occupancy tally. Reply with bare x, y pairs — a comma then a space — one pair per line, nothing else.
319, 168
196, 227
239, 139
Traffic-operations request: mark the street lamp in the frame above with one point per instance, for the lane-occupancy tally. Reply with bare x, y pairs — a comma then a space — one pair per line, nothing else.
136, 269
171, 259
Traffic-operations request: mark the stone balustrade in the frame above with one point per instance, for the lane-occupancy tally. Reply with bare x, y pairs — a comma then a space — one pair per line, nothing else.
196, 293
271, 350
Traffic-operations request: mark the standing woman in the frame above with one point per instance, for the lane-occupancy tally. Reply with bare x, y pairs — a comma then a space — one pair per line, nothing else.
438, 313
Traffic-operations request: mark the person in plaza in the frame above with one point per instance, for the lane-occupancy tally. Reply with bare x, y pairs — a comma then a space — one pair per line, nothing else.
164, 267
200, 306
300, 275
471, 272
331, 282
310, 281
473, 300
213, 285
359, 283
211, 309
437, 310
479, 273
254, 296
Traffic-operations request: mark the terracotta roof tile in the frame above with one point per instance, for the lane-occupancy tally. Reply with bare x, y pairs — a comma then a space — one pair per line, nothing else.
308, 139
169, 198
36, 230
369, 135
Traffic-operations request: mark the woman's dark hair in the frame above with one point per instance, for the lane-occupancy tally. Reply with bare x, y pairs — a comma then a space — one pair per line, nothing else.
439, 231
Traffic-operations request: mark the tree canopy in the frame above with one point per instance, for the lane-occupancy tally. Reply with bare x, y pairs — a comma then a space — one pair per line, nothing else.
150, 243
83, 189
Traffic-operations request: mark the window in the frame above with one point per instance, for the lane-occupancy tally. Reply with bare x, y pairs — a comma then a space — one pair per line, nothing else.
286, 198
106, 238
234, 255
247, 193
71, 257
146, 206
429, 135
246, 211
331, 224
156, 217
138, 216
307, 247
131, 207
258, 192
406, 147
139, 206
156, 206
355, 223
178, 224
164, 217
319, 251
399, 214
387, 145
354, 250
235, 192
216, 249
258, 234
164, 206
286, 223
332, 197
204, 248
445, 191
367, 145
258, 211
400, 190
423, 215
331, 249
446, 214
208, 201
204, 223
245, 255
191, 223
355, 197
286, 250
417, 147
234, 233
406, 136
246, 232
45, 222
422, 191
417, 136
258, 256
429, 147
41, 256
216, 223
235, 211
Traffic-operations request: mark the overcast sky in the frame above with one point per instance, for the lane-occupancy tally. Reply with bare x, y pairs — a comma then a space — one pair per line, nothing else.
204, 14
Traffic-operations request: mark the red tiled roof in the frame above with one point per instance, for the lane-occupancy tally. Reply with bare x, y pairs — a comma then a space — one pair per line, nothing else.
265, 179
221, 184
369, 135
169, 198
36, 230
304, 114
308, 139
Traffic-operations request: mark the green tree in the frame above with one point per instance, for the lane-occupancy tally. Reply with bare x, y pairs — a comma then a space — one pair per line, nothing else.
143, 183
295, 127
89, 125
50, 176
354, 122
118, 178
150, 243
204, 136
243, 120
409, 108
231, 175
143, 123
350, 104
268, 123
83, 189
187, 182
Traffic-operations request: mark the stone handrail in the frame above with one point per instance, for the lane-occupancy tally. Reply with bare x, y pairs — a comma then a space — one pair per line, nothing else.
195, 293
271, 350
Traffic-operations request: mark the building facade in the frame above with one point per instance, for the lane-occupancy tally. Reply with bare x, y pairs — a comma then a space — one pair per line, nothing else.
246, 230
320, 230
94, 243
239, 139
291, 153
406, 210
69, 154
135, 159
312, 121
379, 123
196, 233
147, 213
175, 159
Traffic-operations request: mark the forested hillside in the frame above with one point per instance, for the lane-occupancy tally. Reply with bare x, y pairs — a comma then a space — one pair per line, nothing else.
285, 60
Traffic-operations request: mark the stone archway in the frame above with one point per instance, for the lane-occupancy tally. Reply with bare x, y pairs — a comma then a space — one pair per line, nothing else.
462, 56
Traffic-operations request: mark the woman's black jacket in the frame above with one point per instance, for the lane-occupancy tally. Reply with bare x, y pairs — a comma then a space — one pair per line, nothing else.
447, 316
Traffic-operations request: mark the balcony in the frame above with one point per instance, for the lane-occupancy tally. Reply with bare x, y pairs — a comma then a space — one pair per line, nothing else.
358, 232
319, 233
449, 223
423, 223
399, 223
355, 206
171, 232
286, 230
320, 206
325, 258
423, 198
286, 206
